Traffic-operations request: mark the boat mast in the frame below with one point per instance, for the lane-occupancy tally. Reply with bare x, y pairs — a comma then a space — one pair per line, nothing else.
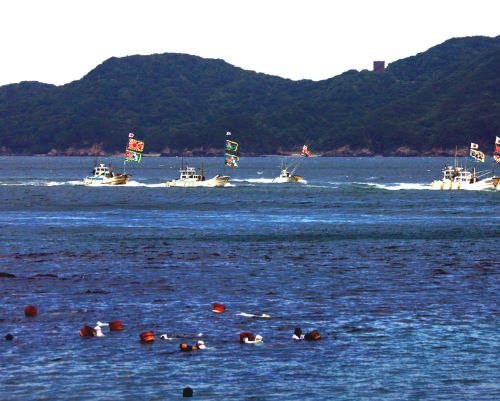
125, 158
493, 162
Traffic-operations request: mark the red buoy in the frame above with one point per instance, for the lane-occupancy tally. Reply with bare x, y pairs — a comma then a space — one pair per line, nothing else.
218, 308
30, 311
147, 337
116, 325
87, 331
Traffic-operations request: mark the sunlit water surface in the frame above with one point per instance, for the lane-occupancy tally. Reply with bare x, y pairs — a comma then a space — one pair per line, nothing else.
402, 282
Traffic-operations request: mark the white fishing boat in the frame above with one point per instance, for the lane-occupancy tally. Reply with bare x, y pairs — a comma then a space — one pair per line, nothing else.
104, 175
455, 177
458, 177
193, 177
287, 176
287, 172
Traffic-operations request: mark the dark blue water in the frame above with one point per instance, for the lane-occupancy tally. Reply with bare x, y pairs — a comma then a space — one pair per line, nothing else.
401, 281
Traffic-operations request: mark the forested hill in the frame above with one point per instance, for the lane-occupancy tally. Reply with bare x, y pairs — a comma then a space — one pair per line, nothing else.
444, 97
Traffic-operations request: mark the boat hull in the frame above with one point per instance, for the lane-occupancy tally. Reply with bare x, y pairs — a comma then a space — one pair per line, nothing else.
217, 181
488, 183
283, 180
119, 179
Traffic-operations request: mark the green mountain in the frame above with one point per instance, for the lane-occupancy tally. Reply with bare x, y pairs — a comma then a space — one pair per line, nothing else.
425, 104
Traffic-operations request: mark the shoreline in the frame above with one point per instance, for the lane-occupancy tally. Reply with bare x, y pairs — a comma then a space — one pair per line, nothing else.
432, 153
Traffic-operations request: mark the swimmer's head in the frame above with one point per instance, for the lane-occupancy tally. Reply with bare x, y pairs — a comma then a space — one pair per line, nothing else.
184, 347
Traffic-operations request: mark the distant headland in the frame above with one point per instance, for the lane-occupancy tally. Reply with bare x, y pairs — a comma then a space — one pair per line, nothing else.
180, 104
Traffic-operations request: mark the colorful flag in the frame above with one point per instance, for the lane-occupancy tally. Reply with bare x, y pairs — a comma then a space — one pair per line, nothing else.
477, 155
496, 154
131, 156
474, 145
135, 145
231, 146
231, 160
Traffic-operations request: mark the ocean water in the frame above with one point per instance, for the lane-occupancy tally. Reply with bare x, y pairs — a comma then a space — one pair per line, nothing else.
401, 281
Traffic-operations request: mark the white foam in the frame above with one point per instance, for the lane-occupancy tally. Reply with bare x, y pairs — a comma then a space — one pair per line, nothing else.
142, 184
402, 186
262, 180
255, 180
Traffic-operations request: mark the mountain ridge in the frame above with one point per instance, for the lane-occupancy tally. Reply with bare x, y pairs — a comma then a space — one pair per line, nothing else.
182, 104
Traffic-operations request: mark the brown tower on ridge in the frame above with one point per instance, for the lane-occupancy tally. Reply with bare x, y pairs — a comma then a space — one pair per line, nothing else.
378, 65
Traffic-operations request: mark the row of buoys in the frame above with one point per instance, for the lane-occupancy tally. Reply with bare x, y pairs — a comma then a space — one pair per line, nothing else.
149, 336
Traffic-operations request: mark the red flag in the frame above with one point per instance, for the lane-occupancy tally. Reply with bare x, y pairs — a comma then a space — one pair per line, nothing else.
135, 145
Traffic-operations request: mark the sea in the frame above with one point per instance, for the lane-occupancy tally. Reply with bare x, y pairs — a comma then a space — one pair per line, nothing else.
401, 281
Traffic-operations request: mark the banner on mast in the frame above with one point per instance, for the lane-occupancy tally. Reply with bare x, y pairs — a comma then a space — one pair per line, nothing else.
477, 155
131, 156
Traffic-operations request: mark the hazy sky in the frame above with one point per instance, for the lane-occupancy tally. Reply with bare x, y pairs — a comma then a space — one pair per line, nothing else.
58, 41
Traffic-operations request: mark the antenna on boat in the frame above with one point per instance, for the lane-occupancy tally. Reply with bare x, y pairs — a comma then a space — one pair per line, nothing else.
493, 161
125, 158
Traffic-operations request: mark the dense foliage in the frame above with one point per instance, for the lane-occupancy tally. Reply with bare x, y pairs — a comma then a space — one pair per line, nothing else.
446, 96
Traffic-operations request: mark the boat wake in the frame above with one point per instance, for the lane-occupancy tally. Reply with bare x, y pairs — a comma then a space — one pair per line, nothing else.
39, 183
262, 181
142, 184
254, 180
402, 186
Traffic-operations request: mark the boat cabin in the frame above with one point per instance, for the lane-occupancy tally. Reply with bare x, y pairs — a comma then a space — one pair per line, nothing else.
458, 174
190, 173
285, 173
103, 171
